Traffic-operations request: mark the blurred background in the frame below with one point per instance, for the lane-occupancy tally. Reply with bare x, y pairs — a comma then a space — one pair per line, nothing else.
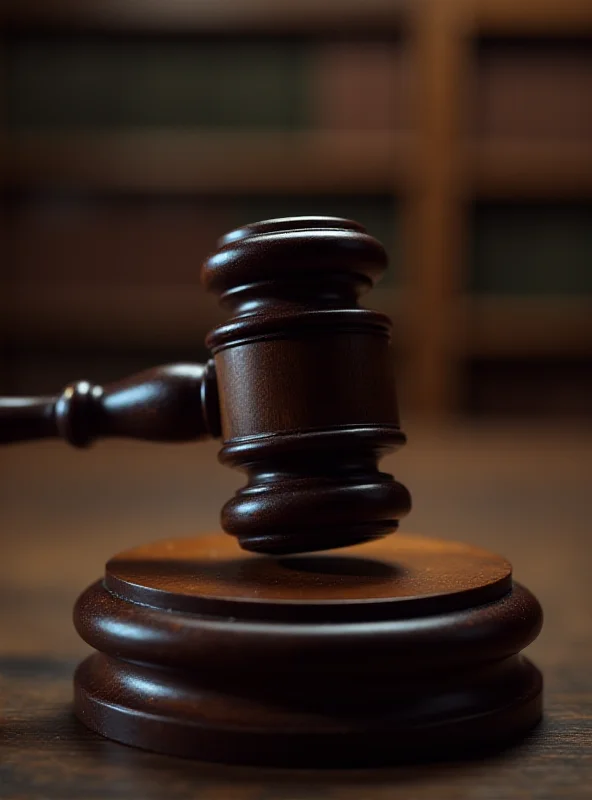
135, 132
458, 131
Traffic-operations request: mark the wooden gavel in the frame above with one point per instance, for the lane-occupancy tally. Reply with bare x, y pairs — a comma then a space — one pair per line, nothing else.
398, 649
300, 389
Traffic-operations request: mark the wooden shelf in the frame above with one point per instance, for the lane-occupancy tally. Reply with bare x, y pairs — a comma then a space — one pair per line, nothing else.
317, 161
555, 17
100, 315
529, 168
498, 326
209, 161
434, 169
223, 16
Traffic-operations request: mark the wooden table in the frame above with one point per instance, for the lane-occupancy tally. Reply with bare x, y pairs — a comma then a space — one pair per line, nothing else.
523, 492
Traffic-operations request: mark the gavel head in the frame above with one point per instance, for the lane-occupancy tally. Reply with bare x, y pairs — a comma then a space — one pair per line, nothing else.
305, 378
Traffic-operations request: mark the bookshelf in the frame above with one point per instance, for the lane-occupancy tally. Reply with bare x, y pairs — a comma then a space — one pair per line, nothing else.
201, 161
244, 16
528, 169
437, 161
502, 326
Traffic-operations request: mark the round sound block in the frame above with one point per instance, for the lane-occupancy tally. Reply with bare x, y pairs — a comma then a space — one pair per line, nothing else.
394, 650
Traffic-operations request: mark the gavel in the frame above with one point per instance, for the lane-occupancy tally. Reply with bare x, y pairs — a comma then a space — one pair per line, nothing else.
397, 649
300, 389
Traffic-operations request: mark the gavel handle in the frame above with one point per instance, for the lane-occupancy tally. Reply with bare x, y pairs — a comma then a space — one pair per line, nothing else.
174, 403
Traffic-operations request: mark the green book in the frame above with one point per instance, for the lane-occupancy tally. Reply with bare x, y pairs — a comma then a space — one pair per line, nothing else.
532, 249
120, 82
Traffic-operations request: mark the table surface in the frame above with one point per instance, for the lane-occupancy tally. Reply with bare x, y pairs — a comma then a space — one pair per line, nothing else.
521, 491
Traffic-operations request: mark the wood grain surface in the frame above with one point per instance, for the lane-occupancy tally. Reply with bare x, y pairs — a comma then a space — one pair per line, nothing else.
522, 492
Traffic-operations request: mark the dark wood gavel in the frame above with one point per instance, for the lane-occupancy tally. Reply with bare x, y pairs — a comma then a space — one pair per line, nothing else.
393, 650
300, 389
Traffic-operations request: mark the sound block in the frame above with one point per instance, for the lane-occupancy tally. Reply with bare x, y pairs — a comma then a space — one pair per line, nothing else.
395, 650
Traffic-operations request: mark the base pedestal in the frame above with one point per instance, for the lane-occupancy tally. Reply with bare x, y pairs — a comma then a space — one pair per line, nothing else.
400, 649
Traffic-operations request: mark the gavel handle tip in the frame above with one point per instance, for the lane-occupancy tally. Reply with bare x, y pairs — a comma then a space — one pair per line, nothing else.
172, 403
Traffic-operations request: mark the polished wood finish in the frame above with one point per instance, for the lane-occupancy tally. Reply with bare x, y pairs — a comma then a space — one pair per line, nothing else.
307, 392
209, 653
381, 653
302, 391
380, 580
176, 403
488, 486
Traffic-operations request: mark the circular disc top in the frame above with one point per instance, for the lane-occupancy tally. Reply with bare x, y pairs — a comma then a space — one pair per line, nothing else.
301, 248
402, 576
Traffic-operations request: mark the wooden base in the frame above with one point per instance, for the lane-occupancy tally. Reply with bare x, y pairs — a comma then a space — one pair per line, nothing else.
399, 649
